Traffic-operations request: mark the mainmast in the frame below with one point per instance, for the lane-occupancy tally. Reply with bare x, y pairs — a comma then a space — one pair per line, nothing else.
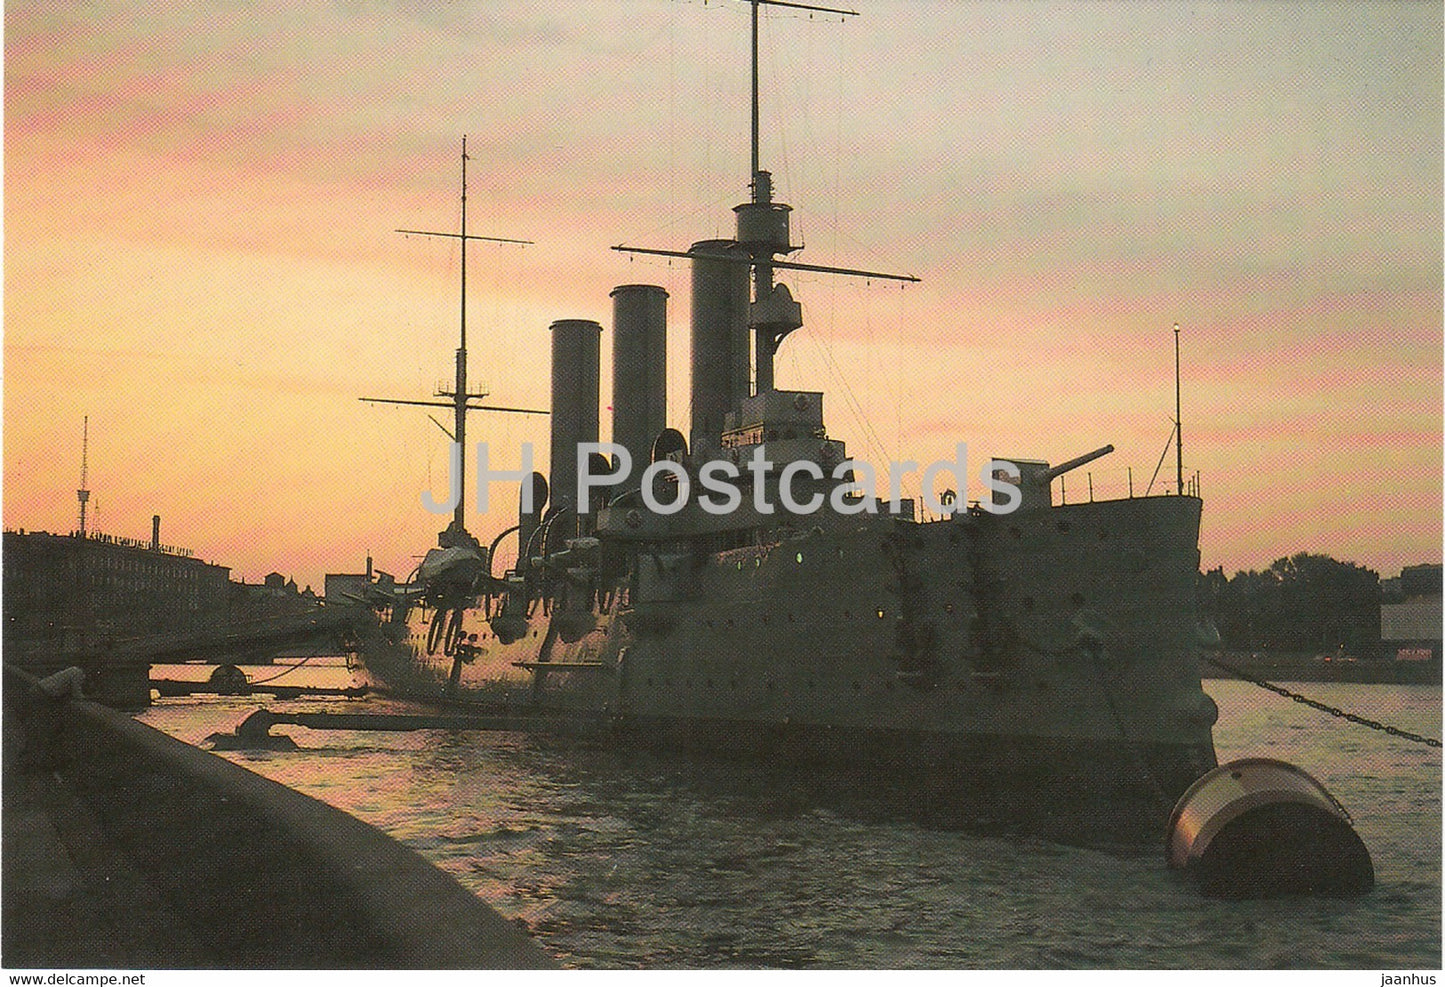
763, 230
460, 401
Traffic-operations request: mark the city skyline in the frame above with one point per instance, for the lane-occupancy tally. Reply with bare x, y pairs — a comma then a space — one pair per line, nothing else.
200, 256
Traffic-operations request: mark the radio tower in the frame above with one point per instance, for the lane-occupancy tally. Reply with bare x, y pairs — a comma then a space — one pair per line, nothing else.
83, 494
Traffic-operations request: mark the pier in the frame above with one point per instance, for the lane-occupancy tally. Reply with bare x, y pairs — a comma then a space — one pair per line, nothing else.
118, 670
127, 848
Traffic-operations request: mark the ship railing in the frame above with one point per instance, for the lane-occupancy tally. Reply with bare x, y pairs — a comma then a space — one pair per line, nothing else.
1117, 484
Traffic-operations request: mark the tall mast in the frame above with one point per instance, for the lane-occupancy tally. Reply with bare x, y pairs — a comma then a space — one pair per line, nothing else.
1178, 422
756, 165
460, 400
778, 3
83, 495
459, 392
765, 338
762, 229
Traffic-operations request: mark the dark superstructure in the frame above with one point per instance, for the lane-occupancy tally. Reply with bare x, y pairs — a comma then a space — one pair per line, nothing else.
981, 654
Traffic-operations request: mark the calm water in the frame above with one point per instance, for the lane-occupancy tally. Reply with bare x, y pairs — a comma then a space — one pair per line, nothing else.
620, 859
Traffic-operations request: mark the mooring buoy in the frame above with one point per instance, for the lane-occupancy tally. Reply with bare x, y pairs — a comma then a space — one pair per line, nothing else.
1261, 828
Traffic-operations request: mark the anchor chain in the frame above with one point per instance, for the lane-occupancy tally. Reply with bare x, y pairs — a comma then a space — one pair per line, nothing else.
1132, 747
1324, 707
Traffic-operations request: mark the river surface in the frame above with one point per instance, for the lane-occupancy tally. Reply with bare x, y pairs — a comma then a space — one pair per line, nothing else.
622, 859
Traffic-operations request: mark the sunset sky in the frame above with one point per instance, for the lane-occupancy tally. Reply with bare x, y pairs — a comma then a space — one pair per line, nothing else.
200, 200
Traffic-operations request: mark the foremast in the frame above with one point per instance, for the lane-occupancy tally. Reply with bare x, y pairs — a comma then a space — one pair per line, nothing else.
458, 398
763, 233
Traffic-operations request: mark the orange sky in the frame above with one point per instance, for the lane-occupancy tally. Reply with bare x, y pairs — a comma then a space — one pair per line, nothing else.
199, 201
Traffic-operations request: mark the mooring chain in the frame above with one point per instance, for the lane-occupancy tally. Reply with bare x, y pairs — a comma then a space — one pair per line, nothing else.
1325, 708
1131, 746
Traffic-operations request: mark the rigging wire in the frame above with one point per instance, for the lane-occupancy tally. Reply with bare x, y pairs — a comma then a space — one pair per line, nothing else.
1167, 443
855, 408
898, 374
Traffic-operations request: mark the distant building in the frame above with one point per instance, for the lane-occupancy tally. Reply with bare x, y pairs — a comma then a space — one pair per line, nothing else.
1390, 591
347, 587
1421, 581
1410, 630
275, 584
102, 584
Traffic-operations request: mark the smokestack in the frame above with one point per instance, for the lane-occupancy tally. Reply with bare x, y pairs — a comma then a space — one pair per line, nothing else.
639, 368
719, 337
576, 358
155, 533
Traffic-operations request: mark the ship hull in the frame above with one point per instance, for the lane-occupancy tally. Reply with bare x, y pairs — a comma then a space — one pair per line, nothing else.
994, 664
958, 777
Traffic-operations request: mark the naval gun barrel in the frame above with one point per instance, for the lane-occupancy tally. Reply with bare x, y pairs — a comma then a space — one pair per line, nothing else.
1075, 463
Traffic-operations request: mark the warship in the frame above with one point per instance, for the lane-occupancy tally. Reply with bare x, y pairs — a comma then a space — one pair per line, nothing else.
1011, 648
